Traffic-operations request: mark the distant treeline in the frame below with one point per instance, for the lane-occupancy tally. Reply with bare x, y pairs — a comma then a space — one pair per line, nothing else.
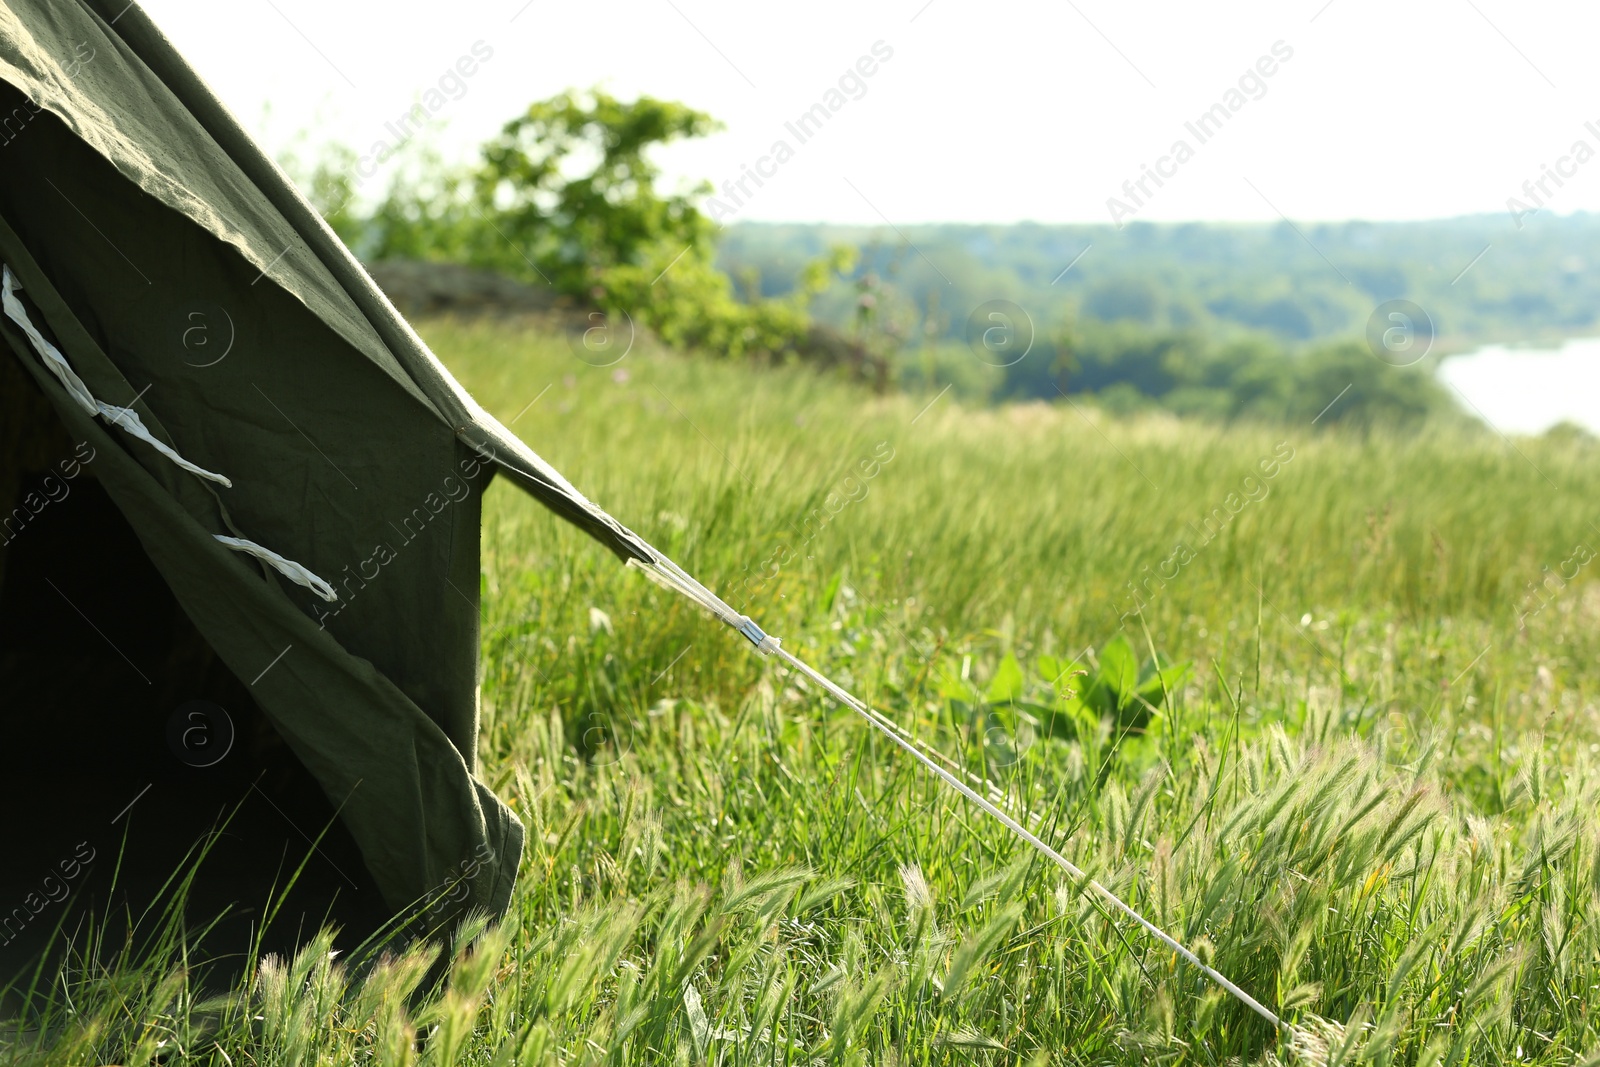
1125, 367
1480, 278
1214, 320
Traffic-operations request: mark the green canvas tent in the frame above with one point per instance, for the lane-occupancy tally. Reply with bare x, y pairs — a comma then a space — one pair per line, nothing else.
232, 474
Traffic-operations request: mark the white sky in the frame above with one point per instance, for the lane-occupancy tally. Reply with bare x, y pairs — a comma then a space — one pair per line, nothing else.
989, 112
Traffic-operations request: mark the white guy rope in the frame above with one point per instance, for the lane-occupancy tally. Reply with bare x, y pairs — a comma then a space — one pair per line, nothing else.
669, 574
129, 420
1027, 835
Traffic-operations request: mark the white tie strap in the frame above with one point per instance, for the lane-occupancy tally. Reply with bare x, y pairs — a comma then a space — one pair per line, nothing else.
126, 418
129, 420
287, 567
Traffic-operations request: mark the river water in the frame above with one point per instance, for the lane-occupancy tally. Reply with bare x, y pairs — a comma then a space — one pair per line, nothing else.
1529, 390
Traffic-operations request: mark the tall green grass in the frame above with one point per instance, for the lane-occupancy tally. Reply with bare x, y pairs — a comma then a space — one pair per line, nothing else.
1370, 796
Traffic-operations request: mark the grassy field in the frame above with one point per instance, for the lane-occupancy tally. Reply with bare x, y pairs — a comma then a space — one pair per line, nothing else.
1363, 784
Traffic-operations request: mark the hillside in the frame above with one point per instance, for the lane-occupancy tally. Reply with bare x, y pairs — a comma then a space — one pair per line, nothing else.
1362, 782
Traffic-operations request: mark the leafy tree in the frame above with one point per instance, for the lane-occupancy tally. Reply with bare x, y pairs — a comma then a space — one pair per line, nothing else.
577, 227
565, 196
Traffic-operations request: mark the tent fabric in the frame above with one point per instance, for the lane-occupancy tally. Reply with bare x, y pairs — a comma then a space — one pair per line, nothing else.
126, 418
181, 274
135, 99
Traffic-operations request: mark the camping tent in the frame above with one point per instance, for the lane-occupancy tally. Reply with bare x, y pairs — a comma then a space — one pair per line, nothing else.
231, 473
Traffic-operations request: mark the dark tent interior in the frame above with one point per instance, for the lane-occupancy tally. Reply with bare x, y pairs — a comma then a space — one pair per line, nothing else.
116, 760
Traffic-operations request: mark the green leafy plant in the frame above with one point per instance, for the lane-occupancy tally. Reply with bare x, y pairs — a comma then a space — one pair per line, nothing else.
1115, 698
1069, 701
1127, 690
